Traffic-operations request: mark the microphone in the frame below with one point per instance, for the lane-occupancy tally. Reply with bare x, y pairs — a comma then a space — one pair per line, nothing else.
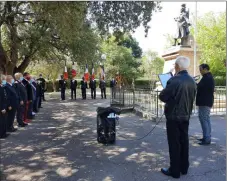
197, 77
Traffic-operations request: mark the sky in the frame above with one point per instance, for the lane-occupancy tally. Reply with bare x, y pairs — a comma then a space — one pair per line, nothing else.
163, 23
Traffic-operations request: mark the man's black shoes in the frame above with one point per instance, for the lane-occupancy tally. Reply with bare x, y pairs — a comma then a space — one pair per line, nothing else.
167, 172
22, 125
205, 142
12, 130
201, 139
4, 136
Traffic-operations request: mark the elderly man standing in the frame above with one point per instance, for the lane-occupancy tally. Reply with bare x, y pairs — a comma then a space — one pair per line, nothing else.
13, 101
3, 108
23, 98
179, 96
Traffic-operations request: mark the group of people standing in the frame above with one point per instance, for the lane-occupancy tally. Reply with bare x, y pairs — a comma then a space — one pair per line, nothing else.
21, 97
84, 86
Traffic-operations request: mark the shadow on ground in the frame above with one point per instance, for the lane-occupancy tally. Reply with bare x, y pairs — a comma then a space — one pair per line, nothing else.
60, 145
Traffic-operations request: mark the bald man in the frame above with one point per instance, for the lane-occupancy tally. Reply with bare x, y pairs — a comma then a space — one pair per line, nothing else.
13, 101
22, 94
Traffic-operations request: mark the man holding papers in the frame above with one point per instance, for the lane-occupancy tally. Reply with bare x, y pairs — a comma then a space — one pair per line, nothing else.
178, 95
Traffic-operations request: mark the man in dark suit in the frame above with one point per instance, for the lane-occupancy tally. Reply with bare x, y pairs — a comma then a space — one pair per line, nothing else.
62, 86
102, 86
43, 86
92, 86
13, 102
73, 86
205, 101
26, 83
178, 96
113, 84
83, 88
3, 108
39, 94
22, 94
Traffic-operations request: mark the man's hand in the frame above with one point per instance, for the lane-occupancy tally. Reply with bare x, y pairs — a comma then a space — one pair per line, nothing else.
3, 111
10, 108
21, 102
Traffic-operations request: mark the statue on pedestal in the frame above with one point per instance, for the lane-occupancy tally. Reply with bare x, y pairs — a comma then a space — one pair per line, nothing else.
182, 27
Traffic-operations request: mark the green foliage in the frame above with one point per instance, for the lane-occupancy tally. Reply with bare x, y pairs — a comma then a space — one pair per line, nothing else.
123, 16
58, 31
152, 65
220, 81
211, 38
120, 60
130, 42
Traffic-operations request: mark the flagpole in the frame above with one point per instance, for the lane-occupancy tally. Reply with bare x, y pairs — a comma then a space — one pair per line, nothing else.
195, 36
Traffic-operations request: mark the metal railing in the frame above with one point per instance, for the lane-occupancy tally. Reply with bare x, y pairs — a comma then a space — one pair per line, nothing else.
147, 101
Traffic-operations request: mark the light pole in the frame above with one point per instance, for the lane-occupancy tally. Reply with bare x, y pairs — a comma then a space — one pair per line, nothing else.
195, 36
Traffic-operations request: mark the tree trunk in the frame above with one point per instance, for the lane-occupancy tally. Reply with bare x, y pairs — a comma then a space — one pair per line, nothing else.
3, 57
21, 68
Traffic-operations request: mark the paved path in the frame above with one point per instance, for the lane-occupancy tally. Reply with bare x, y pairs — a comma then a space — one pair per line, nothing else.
60, 145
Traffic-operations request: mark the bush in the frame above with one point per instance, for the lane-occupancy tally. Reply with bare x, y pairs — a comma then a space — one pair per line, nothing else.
220, 81
145, 83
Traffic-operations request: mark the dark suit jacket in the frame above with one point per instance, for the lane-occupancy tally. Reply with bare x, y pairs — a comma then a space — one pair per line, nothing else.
205, 91
102, 84
92, 84
83, 84
21, 91
62, 84
43, 82
12, 96
73, 84
112, 83
28, 88
3, 99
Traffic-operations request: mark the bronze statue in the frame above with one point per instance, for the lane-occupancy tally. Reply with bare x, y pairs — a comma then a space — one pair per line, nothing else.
182, 27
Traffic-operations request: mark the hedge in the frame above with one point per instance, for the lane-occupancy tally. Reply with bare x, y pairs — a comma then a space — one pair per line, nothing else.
220, 81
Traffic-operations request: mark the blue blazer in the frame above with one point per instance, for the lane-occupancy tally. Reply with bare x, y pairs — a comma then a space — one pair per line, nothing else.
13, 99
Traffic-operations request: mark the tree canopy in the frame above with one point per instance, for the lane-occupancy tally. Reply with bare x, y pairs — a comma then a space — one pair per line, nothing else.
52, 31
211, 39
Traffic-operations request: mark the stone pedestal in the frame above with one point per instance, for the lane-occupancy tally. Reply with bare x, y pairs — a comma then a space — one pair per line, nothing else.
172, 53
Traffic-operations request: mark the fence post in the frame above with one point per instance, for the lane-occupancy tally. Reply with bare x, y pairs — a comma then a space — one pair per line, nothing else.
123, 97
157, 103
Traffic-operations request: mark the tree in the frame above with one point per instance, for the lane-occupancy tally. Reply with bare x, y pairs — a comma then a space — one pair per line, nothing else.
119, 60
152, 65
123, 16
211, 39
129, 42
47, 30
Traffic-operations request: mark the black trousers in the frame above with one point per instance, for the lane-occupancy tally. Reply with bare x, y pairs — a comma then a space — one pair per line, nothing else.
113, 91
40, 102
43, 96
63, 94
177, 135
3, 124
103, 92
10, 118
93, 93
20, 114
73, 91
83, 93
